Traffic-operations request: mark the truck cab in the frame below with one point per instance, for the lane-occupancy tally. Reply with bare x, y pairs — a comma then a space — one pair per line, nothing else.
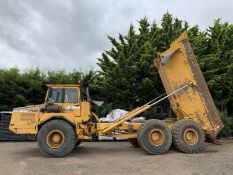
61, 98
63, 101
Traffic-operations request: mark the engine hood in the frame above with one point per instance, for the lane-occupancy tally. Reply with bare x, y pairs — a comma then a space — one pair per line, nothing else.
30, 108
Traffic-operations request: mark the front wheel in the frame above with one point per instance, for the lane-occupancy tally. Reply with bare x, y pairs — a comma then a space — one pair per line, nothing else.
154, 137
56, 138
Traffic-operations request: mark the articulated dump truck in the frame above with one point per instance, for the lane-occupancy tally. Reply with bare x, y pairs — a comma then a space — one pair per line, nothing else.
65, 119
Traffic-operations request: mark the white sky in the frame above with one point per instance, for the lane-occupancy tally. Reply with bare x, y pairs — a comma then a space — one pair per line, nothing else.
72, 34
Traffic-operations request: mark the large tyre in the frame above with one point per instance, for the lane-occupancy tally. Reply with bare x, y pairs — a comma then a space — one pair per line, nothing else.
188, 137
56, 138
154, 137
134, 142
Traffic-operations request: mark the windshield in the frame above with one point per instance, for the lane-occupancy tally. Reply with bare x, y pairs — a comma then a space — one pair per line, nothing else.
62, 95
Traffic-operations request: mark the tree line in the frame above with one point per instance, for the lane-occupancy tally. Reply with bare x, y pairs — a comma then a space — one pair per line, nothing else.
126, 79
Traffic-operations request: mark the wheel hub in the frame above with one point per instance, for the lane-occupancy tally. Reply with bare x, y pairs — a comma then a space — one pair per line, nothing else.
190, 136
55, 139
156, 137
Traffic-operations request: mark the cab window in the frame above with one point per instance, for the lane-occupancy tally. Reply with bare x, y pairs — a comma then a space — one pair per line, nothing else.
62, 95
55, 95
70, 95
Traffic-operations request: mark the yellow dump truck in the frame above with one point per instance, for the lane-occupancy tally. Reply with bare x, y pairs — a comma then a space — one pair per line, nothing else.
65, 119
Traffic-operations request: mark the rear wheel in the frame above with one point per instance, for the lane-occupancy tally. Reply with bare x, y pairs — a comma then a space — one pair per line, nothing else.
154, 137
188, 137
56, 138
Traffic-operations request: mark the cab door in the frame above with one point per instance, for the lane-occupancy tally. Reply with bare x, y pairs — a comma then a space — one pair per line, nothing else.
71, 100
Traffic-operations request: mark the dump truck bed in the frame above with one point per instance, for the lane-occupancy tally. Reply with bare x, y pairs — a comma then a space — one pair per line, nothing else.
178, 66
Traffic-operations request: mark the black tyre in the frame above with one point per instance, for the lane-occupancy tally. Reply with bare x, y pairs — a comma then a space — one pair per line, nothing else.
188, 137
134, 142
154, 137
56, 138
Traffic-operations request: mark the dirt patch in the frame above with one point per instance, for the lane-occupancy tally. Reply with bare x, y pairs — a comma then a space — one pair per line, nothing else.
100, 158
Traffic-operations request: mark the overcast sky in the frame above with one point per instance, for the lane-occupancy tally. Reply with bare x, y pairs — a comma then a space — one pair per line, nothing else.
71, 34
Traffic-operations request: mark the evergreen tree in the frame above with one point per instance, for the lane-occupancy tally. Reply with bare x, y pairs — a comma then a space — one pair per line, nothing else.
128, 76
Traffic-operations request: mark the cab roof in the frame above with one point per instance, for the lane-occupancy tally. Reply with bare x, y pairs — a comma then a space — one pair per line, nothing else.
63, 85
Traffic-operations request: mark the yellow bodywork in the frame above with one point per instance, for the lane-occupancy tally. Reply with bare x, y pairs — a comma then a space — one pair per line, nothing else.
175, 69
178, 66
29, 119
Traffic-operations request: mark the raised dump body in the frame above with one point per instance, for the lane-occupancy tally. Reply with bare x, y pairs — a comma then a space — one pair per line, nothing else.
178, 66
